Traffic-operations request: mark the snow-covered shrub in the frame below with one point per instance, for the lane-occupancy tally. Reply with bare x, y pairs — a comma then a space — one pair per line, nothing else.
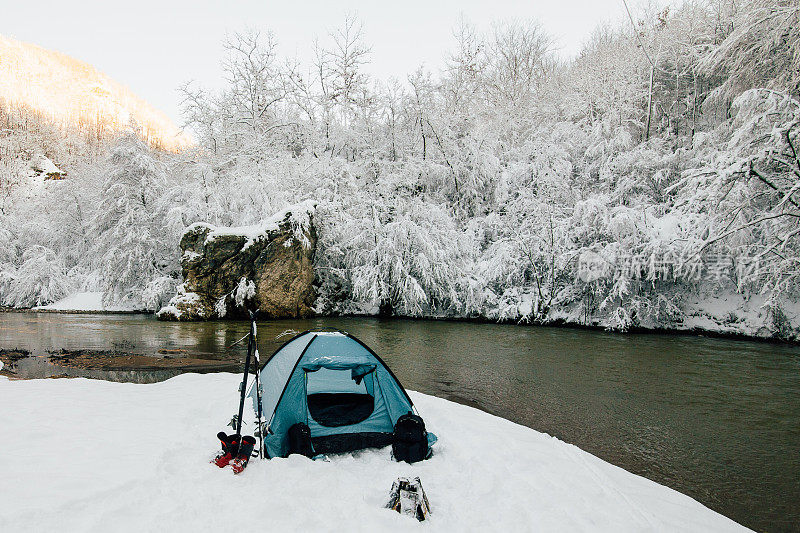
158, 291
40, 279
745, 196
409, 256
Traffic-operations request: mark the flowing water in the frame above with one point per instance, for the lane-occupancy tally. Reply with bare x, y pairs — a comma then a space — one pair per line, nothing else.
716, 419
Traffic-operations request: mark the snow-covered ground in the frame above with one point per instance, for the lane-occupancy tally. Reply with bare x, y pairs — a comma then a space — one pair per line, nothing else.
722, 312
83, 301
729, 312
86, 455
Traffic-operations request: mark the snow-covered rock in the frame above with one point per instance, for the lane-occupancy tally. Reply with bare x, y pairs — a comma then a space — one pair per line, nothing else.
88, 455
42, 166
268, 265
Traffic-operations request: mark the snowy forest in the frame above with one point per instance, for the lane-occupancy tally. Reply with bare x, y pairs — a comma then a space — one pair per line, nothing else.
652, 181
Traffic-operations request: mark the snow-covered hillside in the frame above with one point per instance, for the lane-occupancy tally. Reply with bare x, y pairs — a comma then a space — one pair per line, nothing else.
127, 457
73, 94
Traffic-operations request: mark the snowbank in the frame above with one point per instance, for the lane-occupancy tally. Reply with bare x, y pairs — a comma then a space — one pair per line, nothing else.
93, 455
721, 312
83, 301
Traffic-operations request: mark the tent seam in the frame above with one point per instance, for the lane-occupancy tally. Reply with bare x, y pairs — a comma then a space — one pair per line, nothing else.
289, 378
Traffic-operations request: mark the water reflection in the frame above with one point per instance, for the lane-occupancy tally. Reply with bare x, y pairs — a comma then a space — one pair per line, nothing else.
41, 367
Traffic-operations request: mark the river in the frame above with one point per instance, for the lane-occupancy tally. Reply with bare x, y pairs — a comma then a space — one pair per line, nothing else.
716, 419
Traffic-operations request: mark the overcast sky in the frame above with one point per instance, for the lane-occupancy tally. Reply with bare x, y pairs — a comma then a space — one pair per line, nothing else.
153, 46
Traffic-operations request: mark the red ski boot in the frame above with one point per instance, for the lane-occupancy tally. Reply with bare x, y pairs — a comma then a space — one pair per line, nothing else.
243, 456
230, 447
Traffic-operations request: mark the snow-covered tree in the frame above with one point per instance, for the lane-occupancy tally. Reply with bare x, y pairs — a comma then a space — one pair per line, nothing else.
134, 244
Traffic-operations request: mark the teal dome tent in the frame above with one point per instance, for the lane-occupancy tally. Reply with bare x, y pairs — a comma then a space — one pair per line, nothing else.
337, 386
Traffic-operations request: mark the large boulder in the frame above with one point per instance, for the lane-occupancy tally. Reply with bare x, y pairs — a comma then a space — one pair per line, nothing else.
227, 270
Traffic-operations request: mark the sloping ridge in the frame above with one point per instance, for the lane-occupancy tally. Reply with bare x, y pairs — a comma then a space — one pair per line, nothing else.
72, 93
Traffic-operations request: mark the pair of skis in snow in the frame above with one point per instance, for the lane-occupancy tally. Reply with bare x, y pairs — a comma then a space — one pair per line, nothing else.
237, 450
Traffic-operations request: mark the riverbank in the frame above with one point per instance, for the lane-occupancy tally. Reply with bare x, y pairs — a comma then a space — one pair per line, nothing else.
702, 324
150, 445
165, 363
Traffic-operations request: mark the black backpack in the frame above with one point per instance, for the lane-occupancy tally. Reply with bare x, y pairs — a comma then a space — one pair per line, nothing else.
300, 440
410, 440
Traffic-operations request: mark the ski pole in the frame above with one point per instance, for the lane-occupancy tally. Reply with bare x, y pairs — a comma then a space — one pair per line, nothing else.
257, 361
250, 344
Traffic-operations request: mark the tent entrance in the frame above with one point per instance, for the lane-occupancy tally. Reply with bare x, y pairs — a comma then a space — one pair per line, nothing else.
339, 395
340, 409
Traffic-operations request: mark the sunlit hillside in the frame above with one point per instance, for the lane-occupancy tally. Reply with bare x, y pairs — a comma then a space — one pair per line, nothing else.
71, 93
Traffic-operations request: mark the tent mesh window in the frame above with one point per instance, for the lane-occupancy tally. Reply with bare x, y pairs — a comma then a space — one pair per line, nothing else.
345, 401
